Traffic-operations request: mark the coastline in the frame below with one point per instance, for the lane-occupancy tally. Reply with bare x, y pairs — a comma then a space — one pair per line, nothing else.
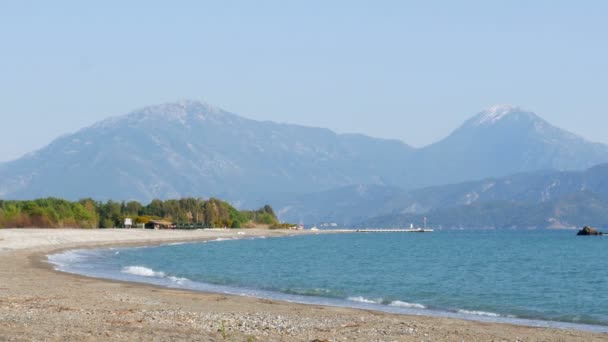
37, 302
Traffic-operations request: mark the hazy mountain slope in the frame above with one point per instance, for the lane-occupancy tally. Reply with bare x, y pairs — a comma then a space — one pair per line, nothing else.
500, 141
568, 211
344, 205
189, 148
538, 200
526, 189
193, 149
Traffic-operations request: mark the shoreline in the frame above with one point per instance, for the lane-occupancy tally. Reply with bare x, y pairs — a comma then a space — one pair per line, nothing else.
211, 316
243, 291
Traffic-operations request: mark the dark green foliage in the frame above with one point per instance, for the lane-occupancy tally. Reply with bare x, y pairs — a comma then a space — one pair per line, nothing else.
47, 213
264, 215
86, 213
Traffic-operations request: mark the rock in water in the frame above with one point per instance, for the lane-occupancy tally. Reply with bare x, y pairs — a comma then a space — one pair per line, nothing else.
589, 231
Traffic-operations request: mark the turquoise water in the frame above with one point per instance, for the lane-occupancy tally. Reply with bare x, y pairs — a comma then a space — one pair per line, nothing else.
528, 277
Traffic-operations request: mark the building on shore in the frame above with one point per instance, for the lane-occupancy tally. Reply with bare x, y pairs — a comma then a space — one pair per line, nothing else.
159, 224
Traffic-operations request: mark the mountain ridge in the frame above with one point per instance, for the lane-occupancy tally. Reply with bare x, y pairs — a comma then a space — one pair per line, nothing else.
172, 149
552, 198
189, 148
518, 141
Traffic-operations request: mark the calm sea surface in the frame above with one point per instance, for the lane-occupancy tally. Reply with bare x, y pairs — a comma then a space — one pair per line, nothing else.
527, 277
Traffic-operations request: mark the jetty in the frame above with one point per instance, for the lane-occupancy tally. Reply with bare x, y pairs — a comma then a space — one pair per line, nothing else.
410, 230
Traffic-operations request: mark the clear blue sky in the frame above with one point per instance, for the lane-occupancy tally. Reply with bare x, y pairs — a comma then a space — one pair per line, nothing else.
412, 70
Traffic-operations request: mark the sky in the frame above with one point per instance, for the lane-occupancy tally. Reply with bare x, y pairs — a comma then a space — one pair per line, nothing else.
409, 70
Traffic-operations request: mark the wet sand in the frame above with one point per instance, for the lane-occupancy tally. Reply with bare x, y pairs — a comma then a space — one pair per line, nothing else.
38, 303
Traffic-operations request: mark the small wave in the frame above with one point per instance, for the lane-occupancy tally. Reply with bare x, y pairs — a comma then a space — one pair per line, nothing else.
70, 258
142, 271
478, 313
225, 239
401, 304
365, 300
178, 280
309, 292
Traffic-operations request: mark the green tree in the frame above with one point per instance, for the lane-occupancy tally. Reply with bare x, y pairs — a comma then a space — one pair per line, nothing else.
133, 208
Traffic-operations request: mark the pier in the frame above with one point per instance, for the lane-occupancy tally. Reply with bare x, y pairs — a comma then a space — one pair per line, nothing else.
411, 230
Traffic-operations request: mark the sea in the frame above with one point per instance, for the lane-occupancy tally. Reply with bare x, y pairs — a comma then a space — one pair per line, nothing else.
544, 278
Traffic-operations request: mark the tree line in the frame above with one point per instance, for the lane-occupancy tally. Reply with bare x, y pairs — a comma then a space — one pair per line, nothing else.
88, 213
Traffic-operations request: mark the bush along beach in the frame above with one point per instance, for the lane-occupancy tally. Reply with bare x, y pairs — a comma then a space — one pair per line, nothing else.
88, 213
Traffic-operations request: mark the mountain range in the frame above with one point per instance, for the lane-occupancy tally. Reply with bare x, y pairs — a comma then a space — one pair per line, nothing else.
193, 149
190, 148
542, 199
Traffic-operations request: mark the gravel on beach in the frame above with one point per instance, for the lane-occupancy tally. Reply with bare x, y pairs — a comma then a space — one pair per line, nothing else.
39, 303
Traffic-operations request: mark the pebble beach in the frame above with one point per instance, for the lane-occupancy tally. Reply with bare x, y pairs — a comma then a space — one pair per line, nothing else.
39, 303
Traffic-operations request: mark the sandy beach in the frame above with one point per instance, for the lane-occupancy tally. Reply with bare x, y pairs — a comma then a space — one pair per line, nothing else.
39, 303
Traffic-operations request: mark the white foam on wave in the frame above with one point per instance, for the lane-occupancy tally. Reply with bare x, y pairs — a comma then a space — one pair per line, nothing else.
401, 304
361, 299
224, 239
68, 258
178, 280
142, 271
478, 313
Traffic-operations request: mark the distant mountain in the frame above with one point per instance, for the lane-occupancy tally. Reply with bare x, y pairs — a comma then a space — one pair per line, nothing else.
500, 141
194, 149
379, 205
344, 205
568, 211
539, 199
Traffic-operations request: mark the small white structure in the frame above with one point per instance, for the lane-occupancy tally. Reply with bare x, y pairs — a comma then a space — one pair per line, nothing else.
128, 223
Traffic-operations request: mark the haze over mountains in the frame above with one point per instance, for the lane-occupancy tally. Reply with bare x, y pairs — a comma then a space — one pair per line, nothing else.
194, 149
540, 199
